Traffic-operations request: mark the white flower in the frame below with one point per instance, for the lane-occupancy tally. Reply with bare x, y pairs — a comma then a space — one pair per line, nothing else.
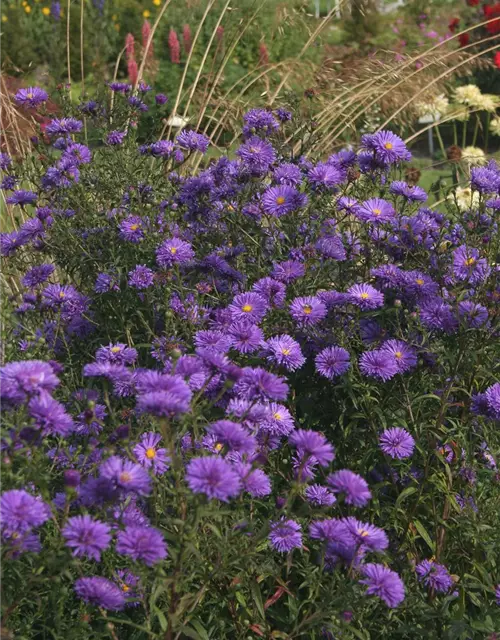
495, 126
435, 107
474, 156
487, 102
465, 198
468, 94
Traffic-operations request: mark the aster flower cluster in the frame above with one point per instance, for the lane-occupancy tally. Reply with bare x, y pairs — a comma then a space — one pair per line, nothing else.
285, 359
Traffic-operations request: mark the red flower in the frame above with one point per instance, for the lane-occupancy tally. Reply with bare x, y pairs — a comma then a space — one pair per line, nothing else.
473, 3
454, 24
463, 39
492, 11
496, 59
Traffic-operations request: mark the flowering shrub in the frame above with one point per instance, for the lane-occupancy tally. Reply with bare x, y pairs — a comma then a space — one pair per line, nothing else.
259, 399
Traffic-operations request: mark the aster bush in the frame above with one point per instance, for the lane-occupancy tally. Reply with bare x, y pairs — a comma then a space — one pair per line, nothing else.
258, 399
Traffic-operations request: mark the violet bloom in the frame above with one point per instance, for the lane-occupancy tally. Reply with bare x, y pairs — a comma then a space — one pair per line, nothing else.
22, 197
131, 229
378, 364
389, 147
256, 155
254, 481
248, 306
320, 496
37, 275
288, 271
285, 351
434, 575
411, 193
283, 199
245, 337
397, 443
287, 173
100, 592
258, 384
468, 266
492, 398
484, 180
366, 534
352, 485
271, 290
404, 356
278, 421
141, 277
332, 362
212, 339
87, 537
308, 310
117, 353
384, 583
259, 121
232, 436
49, 415
193, 141
150, 455
331, 247
126, 475
376, 211
21, 380
285, 535
174, 251
473, 315
365, 297
31, 97
58, 127
20, 512
312, 445
142, 543
214, 477
115, 138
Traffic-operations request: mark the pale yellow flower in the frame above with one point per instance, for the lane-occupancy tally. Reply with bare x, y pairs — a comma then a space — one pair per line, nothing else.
473, 156
46, 11
495, 126
487, 102
27, 9
157, 3
468, 94
458, 112
146, 13
465, 198
436, 107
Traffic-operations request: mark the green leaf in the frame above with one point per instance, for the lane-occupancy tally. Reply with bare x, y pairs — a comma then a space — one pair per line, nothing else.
162, 619
423, 533
257, 598
404, 494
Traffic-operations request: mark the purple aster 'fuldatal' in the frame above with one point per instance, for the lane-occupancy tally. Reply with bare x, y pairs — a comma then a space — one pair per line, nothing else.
411, 193
472, 314
288, 271
232, 436
22, 197
193, 141
86, 536
174, 251
308, 310
126, 475
366, 534
100, 592
279, 421
115, 138
31, 97
332, 362
378, 364
468, 266
389, 147
434, 575
49, 415
20, 512
484, 180
285, 535
245, 337
21, 380
312, 444
254, 481
150, 455
256, 155
142, 543
365, 296
259, 121
248, 306
64, 125
384, 583
320, 496
131, 229
376, 211
285, 351
213, 477
117, 353
37, 275
271, 290
352, 485
326, 175
397, 443
287, 173
141, 277
492, 397
404, 355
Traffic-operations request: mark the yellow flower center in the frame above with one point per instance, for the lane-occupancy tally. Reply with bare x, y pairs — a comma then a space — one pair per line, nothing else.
388, 145
173, 250
61, 294
27, 9
146, 13
277, 416
150, 453
280, 200
15, 536
218, 447
285, 352
115, 349
398, 354
419, 281
377, 212
363, 533
470, 261
125, 588
307, 309
365, 295
46, 11
134, 227
125, 477
29, 95
246, 308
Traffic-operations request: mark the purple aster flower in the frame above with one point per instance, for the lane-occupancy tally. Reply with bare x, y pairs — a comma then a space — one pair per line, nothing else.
115, 138
143, 543
248, 306
65, 125
108, 370
326, 175
117, 353
174, 251
468, 266
378, 364
232, 436
285, 535
141, 277
388, 147
285, 351
353, 486
37, 275
484, 180
21, 380
332, 362
193, 141
87, 537
256, 155
311, 444
474, 315
376, 211
383, 583
168, 396
436, 314
434, 575
5, 161
162, 149
404, 356
288, 271
22, 197
287, 173
131, 229
278, 421
120, 87
365, 296
129, 584
492, 398
20, 512
283, 114
100, 592
259, 121
126, 475
331, 247
214, 477
149, 455
283, 199
320, 496
31, 97
308, 310
411, 193
161, 98
254, 481
258, 384
50, 416
271, 290
397, 443
212, 339
497, 594
366, 534
106, 282
245, 337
